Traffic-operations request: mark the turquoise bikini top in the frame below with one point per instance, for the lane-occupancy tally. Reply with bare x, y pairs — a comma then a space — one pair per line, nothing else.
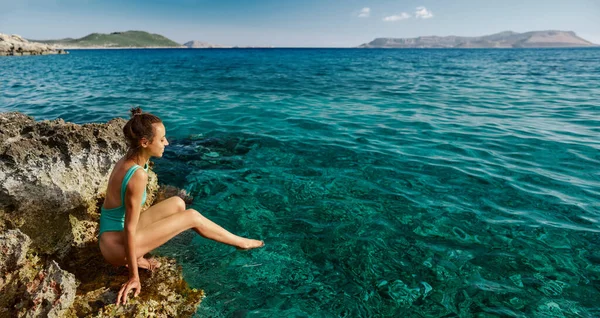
114, 219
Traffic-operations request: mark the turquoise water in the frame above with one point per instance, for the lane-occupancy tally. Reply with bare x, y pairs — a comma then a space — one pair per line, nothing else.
384, 182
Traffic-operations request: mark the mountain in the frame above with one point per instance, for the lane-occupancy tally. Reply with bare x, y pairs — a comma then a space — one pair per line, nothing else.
128, 39
507, 39
203, 45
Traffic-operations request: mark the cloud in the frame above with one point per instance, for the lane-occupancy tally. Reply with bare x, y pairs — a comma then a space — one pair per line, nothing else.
423, 13
364, 13
397, 17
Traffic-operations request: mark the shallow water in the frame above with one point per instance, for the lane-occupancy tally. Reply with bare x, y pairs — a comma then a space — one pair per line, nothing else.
384, 182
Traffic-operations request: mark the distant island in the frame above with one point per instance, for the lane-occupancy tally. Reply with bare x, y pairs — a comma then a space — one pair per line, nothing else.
127, 39
507, 39
204, 45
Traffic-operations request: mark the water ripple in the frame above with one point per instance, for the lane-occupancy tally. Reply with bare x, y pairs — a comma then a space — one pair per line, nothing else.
385, 182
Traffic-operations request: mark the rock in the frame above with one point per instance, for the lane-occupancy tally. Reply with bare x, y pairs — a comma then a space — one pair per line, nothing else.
52, 292
83, 231
167, 191
53, 177
85, 285
5, 47
51, 174
164, 294
15, 270
16, 45
13, 249
26, 288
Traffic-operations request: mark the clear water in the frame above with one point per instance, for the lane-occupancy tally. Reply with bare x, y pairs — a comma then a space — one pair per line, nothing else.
384, 182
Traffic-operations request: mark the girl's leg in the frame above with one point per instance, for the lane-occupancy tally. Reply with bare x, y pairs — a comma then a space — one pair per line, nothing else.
159, 232
155, 213
112, 244
160, 211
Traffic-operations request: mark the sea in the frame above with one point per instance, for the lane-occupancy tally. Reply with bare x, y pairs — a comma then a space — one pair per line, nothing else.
384, 182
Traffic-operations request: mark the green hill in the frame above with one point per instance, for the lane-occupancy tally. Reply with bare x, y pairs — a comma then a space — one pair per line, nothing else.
115, 39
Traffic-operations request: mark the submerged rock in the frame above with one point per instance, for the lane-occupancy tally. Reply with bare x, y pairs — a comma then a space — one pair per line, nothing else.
167, 191
53, 177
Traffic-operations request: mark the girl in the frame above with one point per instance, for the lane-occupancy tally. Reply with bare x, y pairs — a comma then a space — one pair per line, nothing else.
127, 233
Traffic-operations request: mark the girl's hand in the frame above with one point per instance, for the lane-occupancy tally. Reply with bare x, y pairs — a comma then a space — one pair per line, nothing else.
132, 283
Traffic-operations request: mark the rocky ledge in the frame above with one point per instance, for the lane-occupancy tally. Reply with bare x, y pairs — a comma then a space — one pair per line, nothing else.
53, 176
16, 45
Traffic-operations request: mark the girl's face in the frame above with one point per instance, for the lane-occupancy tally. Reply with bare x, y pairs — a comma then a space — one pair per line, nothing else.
159, 142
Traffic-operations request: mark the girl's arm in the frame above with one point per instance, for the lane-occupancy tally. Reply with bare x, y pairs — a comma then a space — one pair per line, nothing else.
133, 202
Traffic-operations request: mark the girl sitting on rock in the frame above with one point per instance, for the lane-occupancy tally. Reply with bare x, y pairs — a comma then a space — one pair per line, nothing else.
127, 233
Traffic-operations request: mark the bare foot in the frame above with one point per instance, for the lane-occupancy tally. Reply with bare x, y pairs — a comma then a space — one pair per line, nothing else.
150, 264
248, 244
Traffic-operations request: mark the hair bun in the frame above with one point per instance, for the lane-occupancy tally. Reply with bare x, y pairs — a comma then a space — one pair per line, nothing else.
136, 111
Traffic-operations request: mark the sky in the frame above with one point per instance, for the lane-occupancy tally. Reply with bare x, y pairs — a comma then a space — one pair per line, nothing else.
294, 23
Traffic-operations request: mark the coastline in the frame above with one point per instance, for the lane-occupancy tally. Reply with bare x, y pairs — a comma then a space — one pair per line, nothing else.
51, 264
119, 48
60, 52
15, 45
178, 47
328, 48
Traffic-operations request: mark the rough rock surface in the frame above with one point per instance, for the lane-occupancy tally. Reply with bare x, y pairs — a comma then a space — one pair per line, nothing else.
27, 287
30, 289
16, 45
164, 293
52, 292
50, 175
13, 249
